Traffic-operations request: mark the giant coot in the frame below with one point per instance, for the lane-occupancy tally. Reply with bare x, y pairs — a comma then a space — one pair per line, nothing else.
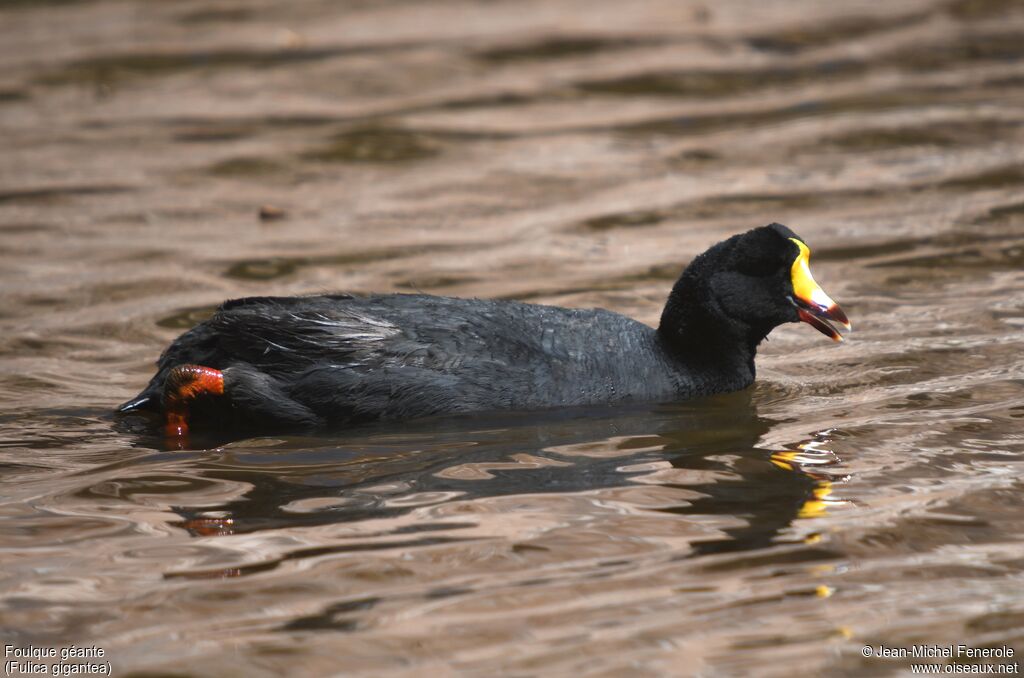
340, 359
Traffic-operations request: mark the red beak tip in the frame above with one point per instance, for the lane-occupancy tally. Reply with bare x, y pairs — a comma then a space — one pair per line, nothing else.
835, 313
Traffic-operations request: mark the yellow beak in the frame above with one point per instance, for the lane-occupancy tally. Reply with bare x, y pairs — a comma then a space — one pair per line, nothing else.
814, 306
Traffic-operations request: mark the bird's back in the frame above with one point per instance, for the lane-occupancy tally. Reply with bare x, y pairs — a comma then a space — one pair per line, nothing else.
344, 358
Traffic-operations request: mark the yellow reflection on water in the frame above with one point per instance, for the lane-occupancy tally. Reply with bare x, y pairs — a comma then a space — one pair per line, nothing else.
807, 455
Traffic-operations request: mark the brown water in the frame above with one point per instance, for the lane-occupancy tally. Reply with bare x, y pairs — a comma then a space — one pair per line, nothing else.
574, 153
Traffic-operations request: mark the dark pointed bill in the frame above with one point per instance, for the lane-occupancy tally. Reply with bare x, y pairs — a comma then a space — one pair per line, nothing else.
814, 307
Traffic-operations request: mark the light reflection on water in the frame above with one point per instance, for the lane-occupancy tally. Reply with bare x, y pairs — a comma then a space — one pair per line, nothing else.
856, 495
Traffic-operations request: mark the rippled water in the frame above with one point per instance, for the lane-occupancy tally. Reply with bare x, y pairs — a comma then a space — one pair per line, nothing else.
574, 153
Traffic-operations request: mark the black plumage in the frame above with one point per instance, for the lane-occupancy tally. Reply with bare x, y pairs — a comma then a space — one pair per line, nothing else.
333, 360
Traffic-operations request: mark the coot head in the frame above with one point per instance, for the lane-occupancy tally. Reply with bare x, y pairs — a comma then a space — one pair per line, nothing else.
743, 287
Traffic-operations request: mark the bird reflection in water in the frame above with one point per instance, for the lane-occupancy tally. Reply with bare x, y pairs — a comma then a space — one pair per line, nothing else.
710, 448
767, 492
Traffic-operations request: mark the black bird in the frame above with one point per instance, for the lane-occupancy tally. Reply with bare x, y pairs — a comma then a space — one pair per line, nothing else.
341, 359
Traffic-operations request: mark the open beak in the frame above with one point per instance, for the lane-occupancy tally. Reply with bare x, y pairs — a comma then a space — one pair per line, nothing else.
814, 306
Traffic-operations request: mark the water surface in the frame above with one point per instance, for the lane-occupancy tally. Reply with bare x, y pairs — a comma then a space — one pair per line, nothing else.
572, 153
